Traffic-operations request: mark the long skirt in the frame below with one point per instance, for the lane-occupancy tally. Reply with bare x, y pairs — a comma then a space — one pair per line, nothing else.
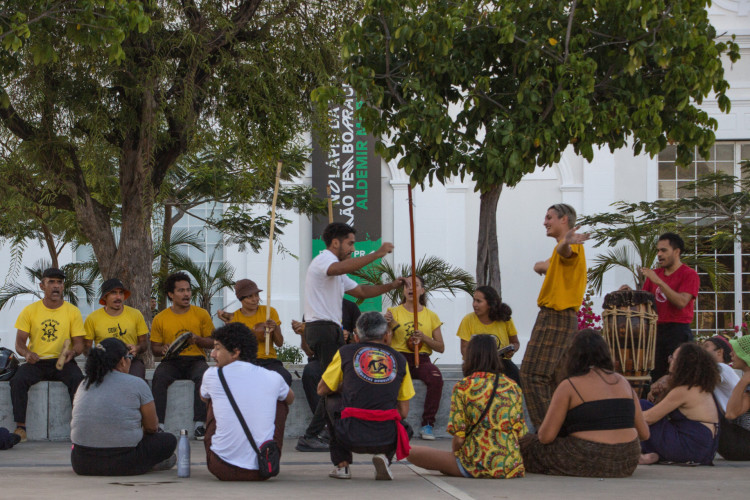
571, 456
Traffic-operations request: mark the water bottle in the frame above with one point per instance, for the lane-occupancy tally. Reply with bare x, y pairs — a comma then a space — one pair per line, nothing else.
183, 455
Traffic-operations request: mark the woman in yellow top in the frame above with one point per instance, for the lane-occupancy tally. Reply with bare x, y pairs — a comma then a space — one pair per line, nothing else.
253, 315
491, 316
428, 336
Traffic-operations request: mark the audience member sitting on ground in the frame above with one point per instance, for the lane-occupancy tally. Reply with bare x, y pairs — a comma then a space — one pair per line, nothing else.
491, 316
373, 389
734, 436
594, 420
262, 396
253, 315
482, 447
429, 338
720, 350
685, 424
114, 425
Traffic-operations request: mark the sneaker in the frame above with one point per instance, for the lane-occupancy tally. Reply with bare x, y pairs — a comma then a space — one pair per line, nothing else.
310, 444
340, 473
382, 470
165, 464
21, 433
325, 436
199, 433
427, 434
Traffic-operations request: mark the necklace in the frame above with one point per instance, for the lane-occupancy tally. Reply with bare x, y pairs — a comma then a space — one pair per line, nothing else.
596, 370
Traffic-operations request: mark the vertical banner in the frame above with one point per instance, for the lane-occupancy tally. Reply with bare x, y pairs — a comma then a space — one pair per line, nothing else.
351, 169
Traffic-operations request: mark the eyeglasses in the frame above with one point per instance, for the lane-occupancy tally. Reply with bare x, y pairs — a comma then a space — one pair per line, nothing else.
129, 356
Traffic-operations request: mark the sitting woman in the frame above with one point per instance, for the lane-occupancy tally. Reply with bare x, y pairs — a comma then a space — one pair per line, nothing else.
482, 447
491, 316
114, 425
734, 439
253, 315
428, 337
594, 421
684, 425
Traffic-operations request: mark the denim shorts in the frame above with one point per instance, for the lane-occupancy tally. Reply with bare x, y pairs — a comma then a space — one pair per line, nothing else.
461, 469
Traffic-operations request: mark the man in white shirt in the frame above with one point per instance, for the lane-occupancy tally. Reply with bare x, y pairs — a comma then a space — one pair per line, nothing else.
325, 285
261, 395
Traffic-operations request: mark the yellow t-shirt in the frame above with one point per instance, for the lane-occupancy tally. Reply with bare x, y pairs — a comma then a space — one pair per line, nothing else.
471, 325
251, 321
48, 328
565, 281
127, 326
334, 377
428, 323
167, 326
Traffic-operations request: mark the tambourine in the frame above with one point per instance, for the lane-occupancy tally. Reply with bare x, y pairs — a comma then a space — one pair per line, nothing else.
506, 350
180, 344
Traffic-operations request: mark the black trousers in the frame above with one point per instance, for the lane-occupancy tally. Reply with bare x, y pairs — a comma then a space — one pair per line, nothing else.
324, 338
311, 376
182, 368
340, 452
29, 374
152, 449
276, 366
669, 336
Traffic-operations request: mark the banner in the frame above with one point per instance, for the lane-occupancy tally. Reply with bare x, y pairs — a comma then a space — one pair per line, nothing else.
351, 169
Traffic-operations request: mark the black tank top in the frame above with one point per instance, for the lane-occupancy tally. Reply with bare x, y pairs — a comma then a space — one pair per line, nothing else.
601, 415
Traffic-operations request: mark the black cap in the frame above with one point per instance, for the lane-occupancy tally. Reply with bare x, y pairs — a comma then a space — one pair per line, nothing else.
53, 272
109, 285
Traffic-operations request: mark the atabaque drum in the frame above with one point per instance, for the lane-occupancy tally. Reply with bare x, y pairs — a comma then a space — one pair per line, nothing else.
629, 327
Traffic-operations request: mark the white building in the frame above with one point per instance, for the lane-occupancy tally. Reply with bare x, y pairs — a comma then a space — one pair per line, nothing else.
446, 218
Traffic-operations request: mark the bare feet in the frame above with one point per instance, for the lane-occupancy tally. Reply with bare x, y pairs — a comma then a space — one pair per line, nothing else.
648, 458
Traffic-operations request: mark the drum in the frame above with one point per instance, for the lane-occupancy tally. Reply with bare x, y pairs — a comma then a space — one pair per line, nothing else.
179, 345
629, 327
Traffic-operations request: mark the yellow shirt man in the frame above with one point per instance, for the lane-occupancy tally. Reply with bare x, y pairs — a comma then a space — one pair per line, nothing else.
167, 326
49, 328
565, 282
127, 326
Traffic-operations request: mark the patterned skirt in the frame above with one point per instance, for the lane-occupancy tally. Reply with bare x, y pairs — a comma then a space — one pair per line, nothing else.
571, 456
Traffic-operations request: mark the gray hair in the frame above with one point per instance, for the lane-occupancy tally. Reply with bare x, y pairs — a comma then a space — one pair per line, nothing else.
564, 209
371, 326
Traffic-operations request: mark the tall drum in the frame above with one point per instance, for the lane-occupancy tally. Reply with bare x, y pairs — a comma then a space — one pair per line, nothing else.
629, 328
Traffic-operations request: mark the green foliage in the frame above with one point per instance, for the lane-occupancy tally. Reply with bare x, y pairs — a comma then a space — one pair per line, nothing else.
208, 280
77, 275
438, 276
494, 89
289, 354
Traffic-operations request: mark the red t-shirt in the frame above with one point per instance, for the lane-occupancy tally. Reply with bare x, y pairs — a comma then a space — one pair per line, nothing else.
684, 279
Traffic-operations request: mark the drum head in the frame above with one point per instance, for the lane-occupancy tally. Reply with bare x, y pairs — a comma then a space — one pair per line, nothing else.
179, 345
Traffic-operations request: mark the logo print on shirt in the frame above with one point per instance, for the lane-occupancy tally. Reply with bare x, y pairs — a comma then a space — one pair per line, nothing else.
660, 297
117, 332
49, 330
376, 366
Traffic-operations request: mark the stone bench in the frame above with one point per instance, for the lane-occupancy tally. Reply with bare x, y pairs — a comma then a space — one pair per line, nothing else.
48, 411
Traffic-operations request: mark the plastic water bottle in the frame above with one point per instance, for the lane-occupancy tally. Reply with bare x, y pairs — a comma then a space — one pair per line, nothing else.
183, 455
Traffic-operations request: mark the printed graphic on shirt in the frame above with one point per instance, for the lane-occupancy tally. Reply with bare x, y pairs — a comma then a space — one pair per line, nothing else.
374, 365
660, 297
49, 330
117, 332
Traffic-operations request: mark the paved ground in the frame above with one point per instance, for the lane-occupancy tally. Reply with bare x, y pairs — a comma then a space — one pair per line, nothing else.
42, 470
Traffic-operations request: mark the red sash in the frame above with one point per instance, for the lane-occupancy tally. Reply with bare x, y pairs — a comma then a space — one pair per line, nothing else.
402, 442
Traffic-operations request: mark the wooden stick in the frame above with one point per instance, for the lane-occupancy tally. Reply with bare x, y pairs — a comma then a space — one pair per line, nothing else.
415, 299
61, 360
330, 204
270, 256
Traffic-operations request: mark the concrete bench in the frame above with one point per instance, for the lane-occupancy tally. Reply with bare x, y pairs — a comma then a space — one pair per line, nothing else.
49, 409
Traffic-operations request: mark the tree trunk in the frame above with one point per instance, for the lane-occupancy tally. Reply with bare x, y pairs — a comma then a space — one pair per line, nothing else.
166, 240
488, 257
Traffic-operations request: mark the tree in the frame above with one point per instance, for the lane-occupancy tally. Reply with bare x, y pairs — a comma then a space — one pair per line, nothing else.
492, 89
100, 131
